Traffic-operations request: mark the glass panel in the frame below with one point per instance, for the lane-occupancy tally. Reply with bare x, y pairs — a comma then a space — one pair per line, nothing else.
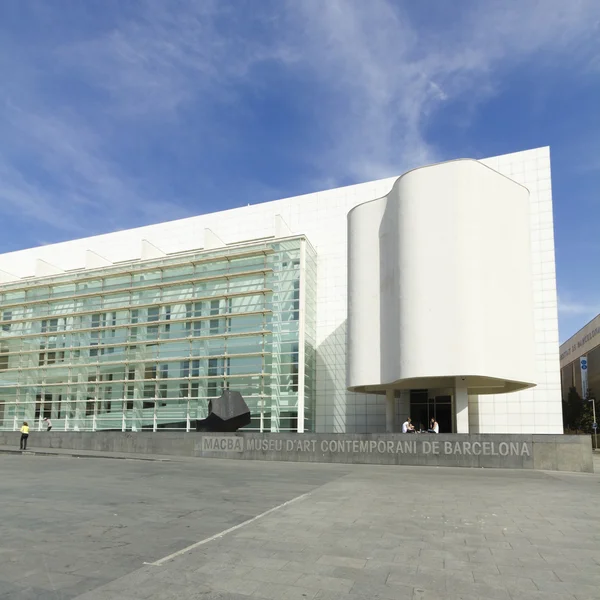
137, 349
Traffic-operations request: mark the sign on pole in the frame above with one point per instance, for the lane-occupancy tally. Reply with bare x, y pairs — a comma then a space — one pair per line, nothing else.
583, 364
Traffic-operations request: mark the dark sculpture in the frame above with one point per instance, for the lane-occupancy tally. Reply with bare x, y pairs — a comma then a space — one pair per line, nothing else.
229, 412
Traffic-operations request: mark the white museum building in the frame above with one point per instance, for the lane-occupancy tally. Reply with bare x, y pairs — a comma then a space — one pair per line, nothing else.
429, 295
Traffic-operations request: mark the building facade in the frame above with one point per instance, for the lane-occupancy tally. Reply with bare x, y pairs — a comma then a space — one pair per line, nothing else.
146, 345
439, 313
584, 344
137, 330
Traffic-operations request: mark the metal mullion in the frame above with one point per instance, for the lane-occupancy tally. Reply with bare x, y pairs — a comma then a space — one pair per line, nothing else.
115, 381
134, 307
139, 324
121, 268
134, 289
150, 342
169, 398
301, 355
120, 362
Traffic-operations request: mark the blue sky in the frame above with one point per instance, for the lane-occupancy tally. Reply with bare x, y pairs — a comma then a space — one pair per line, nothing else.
116, 114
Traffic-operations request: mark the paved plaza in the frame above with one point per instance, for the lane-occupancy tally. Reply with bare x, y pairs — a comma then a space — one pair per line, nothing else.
104, 529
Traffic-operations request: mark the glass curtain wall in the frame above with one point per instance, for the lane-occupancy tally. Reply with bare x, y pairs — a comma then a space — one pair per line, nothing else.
144, 346
309, 282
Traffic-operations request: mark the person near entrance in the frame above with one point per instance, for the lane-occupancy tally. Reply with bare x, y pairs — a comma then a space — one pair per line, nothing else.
434, 426
408, 427
48, 423
24, 435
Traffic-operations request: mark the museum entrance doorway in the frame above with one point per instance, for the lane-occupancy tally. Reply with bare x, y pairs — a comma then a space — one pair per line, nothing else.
424, 407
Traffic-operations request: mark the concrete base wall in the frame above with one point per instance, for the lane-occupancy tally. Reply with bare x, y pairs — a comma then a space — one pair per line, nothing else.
545, 452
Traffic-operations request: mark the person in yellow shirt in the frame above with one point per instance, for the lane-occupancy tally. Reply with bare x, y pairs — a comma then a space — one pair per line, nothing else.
24, 435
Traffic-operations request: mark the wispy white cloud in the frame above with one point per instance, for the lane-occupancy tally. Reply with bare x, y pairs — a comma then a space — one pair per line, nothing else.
70, 180
378, 76
575, 308
369, 75
388, 75
575, 311
575, 315
168, 56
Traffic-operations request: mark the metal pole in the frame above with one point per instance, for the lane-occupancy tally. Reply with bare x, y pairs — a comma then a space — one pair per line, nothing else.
596, 424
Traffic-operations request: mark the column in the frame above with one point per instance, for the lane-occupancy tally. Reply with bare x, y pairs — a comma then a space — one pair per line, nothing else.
80, 402
390, 411
461, 405
28, 412
403, 408
301, 336
137, 414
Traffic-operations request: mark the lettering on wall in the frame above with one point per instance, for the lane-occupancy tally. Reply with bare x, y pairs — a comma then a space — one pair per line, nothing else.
222, 443
579, 343
340, 446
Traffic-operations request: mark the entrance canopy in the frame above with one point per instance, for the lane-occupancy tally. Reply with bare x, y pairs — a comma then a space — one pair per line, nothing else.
477, 385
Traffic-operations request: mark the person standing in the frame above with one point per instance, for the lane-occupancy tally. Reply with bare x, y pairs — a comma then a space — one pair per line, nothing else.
48, 423
24, 435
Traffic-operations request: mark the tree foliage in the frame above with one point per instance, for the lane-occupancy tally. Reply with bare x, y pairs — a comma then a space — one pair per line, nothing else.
577, 413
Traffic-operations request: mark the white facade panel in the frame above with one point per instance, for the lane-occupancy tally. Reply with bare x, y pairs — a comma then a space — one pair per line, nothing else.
440, 283
322, 218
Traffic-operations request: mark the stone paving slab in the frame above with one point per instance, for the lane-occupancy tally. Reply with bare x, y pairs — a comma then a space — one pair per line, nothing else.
33, 451
418, 533
408, 533
68, 526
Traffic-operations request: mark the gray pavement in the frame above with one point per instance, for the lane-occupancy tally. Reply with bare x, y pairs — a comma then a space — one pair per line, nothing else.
88, 454
84, 527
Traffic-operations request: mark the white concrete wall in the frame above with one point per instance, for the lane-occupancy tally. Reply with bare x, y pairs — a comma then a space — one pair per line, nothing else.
322, 217
538, 410
440, 283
